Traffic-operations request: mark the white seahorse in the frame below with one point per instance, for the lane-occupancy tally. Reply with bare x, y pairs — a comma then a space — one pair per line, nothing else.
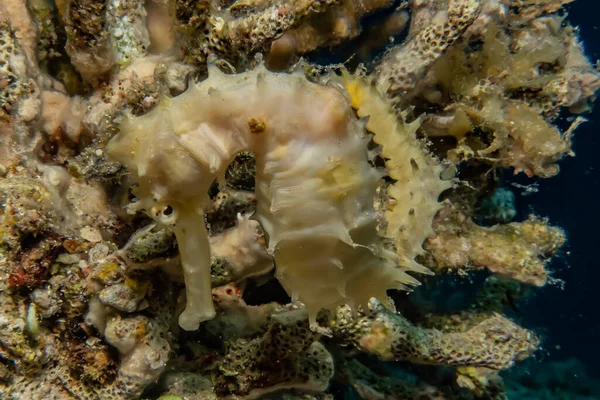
314, 184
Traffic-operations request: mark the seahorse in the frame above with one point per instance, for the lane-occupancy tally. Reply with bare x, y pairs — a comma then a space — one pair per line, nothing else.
315, 186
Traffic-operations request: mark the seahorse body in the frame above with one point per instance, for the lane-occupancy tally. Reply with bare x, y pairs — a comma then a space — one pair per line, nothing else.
314, 184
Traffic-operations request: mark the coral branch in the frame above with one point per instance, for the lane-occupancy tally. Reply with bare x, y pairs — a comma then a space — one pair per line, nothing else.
518, 250
404, 66
287, 355
495, 343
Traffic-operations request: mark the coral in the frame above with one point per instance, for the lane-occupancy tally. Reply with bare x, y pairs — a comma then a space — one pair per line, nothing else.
124, 296
62, 115
56, 384
188, 385
482, 382
528, 9
235, 34
88, 40
281, 353
12, 65
339, 22
93, 362
149, 245
143, 347
494, 343
63, 293
395, 75
91, 164
250, 33
45, 208
116, 280
287, 355
240, 320
19, 103
228, 204
31, 267
239, 253
38, 214
16, 14
136, 87
27, 210
518, 251
498, 99
87, 371
14, 341
43, 13
126, 20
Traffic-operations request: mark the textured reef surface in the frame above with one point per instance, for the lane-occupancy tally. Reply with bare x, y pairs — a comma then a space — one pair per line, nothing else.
198, 201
